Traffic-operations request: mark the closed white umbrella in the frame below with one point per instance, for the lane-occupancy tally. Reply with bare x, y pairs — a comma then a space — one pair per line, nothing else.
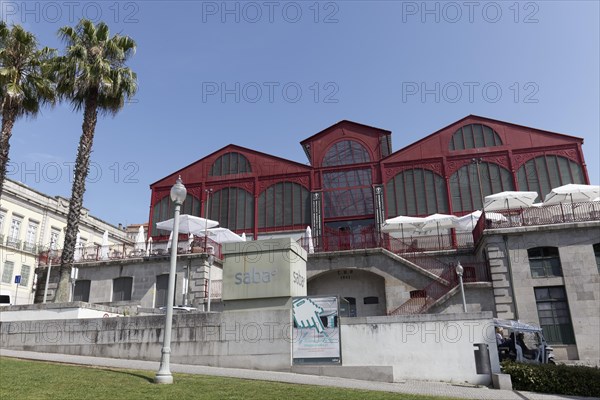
105, 246
311, 246
190, 240
170, 240
572, 193
509, 200
140, 240
78, 248
149, 246
188, 224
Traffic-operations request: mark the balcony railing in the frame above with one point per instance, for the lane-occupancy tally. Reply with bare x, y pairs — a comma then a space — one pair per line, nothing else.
337, 241
533, 216
126, 251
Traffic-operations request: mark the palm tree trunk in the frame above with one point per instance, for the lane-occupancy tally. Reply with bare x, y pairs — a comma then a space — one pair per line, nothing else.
9, 115
90, 117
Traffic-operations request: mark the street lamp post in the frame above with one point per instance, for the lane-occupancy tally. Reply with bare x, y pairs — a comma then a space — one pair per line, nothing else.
178, 194
459, 271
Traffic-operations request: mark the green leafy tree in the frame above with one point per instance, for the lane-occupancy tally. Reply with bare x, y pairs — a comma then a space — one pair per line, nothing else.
25, 84
93, 76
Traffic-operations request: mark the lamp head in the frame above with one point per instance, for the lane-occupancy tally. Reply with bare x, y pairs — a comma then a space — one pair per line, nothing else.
178, 192
459, 269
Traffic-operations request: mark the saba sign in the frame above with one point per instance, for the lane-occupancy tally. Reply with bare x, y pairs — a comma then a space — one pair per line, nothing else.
264, 269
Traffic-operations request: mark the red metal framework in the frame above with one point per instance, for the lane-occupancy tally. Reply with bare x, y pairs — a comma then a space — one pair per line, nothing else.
345, 146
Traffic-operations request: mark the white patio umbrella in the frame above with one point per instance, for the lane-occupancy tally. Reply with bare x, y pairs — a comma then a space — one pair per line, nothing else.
140, 240
78, 248
572, 193
224, 235
244, 236
468, 222
438, 221
188, 224
149, 246
509, 200
104, 248
308, 236
402, 223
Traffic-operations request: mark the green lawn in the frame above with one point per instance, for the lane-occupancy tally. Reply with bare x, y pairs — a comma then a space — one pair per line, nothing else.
24, 379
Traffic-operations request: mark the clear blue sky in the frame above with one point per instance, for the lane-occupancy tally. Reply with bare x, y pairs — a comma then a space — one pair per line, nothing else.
356, 60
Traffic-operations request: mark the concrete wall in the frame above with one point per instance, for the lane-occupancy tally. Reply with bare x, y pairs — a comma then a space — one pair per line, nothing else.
75, 310
424, 347
144, 272
581, 280
241, 339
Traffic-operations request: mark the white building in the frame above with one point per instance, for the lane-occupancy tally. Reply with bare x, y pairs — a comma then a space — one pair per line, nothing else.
29, 222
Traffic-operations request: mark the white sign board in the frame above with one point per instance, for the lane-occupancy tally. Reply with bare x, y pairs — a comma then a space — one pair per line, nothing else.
316, 330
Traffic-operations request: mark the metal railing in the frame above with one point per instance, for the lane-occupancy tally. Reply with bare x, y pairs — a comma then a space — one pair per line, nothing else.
336, 241
533, 216
126, 251
216, 289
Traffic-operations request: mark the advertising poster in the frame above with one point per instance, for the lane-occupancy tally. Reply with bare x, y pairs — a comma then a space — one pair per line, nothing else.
316, 330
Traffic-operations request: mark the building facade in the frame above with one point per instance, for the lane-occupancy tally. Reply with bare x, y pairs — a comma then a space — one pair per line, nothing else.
29, 222
353, 182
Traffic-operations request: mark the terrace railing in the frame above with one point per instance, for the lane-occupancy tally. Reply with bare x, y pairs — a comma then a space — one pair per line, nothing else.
126, 251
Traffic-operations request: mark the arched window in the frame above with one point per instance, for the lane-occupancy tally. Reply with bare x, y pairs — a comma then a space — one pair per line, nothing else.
233, 208
284, 204
346, 152
474, 136
543, 173
467, 194
416, 192
230, 163
164, 209
544, 262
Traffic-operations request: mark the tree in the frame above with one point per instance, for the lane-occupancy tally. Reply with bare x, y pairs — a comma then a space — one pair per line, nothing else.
93, 76
25, 83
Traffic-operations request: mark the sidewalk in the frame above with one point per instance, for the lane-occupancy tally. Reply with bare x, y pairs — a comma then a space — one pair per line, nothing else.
408, 387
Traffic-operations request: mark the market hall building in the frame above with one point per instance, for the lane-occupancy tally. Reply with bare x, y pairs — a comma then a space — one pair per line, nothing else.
353, 182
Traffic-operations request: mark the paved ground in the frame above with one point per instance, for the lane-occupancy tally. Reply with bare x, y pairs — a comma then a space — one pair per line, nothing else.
409, 386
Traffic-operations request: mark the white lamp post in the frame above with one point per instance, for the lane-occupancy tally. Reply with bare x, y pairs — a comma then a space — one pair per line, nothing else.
210, 260
178, 194
459, 272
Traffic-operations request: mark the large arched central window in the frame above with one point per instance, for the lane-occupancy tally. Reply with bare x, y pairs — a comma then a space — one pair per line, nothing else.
416, 192
468, 194
544, 173
474, 136
229, 164
346, 152
284, 204
233, 208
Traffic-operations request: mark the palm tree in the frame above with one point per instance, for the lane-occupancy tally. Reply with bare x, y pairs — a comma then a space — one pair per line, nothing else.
24, 82
94, 77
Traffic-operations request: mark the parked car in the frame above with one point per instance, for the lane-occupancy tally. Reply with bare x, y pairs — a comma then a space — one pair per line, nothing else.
523, 343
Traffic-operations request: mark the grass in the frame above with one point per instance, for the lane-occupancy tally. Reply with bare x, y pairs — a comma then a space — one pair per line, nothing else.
24, 379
